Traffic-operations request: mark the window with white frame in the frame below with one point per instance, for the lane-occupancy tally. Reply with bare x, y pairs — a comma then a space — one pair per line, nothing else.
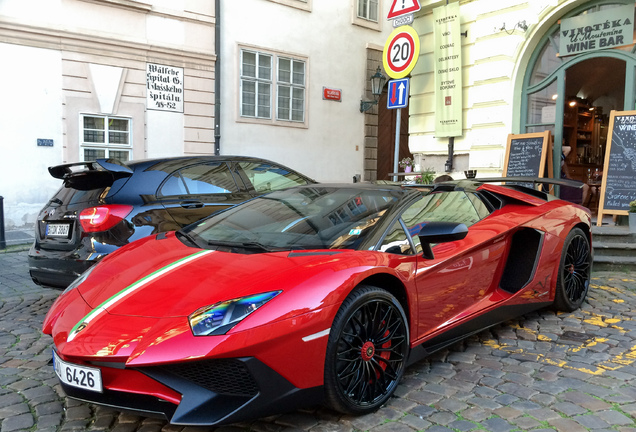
105, 137
268, 79
368, 10
291, 90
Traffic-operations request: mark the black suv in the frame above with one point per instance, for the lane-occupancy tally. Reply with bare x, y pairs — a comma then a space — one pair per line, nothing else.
106, 204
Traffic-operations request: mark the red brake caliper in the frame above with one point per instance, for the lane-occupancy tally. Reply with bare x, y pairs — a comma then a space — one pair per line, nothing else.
368, 351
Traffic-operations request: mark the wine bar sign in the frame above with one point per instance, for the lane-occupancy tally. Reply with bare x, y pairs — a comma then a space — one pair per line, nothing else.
164, 88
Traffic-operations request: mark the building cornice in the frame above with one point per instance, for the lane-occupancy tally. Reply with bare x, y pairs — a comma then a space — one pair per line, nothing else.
143, 7
56, 39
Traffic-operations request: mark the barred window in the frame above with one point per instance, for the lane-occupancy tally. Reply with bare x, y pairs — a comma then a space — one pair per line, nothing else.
105, 137
368, 9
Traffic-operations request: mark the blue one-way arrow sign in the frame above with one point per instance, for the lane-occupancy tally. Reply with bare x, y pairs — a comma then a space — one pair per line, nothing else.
398, 96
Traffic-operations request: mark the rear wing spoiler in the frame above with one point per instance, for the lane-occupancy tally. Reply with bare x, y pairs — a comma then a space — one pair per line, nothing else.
513, 180
91, 175
526, 185
113, 166
533, 180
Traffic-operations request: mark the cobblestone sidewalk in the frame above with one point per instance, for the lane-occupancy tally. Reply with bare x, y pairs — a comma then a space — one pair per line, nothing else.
545, 372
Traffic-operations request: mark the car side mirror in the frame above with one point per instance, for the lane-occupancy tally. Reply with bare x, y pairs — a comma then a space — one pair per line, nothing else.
440, 232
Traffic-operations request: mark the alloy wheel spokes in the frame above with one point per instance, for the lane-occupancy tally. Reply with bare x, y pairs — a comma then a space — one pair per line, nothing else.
576, 268
371, 352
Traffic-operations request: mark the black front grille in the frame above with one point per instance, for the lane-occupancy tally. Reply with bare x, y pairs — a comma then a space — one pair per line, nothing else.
223, 376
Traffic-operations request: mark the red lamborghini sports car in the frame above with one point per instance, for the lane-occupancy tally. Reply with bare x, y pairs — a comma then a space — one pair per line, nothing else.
315, 294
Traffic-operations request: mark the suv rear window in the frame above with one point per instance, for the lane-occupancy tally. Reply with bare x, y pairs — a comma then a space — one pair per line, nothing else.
74, 196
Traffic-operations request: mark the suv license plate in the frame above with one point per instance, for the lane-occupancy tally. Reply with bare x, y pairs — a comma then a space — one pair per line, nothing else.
57, 230
83, 377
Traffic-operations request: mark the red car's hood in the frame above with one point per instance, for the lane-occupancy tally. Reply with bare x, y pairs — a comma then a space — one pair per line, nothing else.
134, 304
165, 278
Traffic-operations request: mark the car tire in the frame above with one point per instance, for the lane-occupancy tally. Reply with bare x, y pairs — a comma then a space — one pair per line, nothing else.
573, 280
367, 351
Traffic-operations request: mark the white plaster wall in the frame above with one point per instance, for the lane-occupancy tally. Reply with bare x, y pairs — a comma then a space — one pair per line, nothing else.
33, 77
332, 147
164, 134
31, 108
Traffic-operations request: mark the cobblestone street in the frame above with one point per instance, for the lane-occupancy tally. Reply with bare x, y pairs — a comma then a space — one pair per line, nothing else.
545, 372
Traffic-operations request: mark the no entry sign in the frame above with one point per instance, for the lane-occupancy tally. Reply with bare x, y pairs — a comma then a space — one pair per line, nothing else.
401, 51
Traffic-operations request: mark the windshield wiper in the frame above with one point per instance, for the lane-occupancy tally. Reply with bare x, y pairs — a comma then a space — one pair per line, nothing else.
246, 245
187, 237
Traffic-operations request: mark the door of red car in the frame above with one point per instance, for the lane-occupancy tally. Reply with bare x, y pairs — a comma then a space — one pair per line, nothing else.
459, 281
197, 191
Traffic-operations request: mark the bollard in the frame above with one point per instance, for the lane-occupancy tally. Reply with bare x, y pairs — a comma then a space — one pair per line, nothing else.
3, 242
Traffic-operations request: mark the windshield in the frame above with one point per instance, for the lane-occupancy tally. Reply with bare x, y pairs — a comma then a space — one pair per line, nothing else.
305, 218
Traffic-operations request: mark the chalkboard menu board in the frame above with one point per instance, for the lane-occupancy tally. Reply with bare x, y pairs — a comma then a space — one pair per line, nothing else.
618, 188
526, 155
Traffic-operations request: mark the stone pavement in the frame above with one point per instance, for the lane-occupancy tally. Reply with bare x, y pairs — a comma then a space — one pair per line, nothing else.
544, 372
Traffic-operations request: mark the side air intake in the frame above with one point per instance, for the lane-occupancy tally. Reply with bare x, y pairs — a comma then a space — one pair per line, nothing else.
522, 260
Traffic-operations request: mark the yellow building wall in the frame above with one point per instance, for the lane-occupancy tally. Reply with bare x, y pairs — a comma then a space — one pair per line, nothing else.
495, 54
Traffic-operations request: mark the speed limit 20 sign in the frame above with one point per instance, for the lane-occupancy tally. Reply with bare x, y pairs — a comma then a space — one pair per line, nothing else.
401, 52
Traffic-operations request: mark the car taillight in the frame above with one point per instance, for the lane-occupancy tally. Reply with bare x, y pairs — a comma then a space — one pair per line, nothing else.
102, 218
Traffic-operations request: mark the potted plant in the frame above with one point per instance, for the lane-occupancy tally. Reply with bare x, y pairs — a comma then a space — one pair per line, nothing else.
427, 177
632, 216
406, 164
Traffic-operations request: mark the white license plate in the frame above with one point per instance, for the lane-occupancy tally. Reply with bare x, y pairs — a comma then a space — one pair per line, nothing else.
83, 377
57, 230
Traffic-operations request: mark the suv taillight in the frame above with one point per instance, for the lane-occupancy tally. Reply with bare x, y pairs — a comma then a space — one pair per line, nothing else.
102, 218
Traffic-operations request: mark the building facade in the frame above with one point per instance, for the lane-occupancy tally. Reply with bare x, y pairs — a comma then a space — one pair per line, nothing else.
292, 83
526, 67
135, 79
80, 77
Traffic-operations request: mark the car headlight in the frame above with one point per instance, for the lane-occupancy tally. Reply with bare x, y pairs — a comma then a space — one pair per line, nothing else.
219, 318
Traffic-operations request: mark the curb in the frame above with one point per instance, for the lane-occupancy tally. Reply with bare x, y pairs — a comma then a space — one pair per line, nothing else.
16, 248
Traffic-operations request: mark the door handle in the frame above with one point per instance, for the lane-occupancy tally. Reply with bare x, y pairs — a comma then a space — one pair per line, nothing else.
191, 204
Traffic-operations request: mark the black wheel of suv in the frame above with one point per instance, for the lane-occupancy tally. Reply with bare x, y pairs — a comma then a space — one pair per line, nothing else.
367, 351
575, 268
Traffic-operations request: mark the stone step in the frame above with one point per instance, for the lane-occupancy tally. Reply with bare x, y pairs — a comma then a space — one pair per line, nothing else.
604, 248
613, 237
614, 263
614, 248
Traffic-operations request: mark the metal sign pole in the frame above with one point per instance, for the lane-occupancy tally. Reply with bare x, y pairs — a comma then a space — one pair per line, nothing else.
396, 156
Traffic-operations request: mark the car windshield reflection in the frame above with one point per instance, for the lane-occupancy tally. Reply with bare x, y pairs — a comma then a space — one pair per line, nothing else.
304, 218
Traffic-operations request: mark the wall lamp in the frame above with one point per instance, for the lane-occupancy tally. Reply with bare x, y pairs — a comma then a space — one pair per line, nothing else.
377, 83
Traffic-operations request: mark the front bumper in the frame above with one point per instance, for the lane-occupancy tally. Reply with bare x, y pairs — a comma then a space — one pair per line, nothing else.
213, 392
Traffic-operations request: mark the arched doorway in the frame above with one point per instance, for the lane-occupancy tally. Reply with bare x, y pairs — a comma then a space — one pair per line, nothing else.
572, 96
387, 119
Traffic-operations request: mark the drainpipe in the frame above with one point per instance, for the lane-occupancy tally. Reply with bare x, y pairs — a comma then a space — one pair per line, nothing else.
217, 78
3, 242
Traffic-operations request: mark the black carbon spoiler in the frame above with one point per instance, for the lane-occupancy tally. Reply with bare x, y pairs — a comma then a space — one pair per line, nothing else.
113, 166
91, 175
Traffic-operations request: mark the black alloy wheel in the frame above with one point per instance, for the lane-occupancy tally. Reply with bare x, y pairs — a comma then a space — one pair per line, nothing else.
575, 268
367, 351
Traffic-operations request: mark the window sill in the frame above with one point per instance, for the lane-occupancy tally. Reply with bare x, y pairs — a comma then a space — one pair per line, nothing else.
124, 4
371, 25
268, 122
298, 4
